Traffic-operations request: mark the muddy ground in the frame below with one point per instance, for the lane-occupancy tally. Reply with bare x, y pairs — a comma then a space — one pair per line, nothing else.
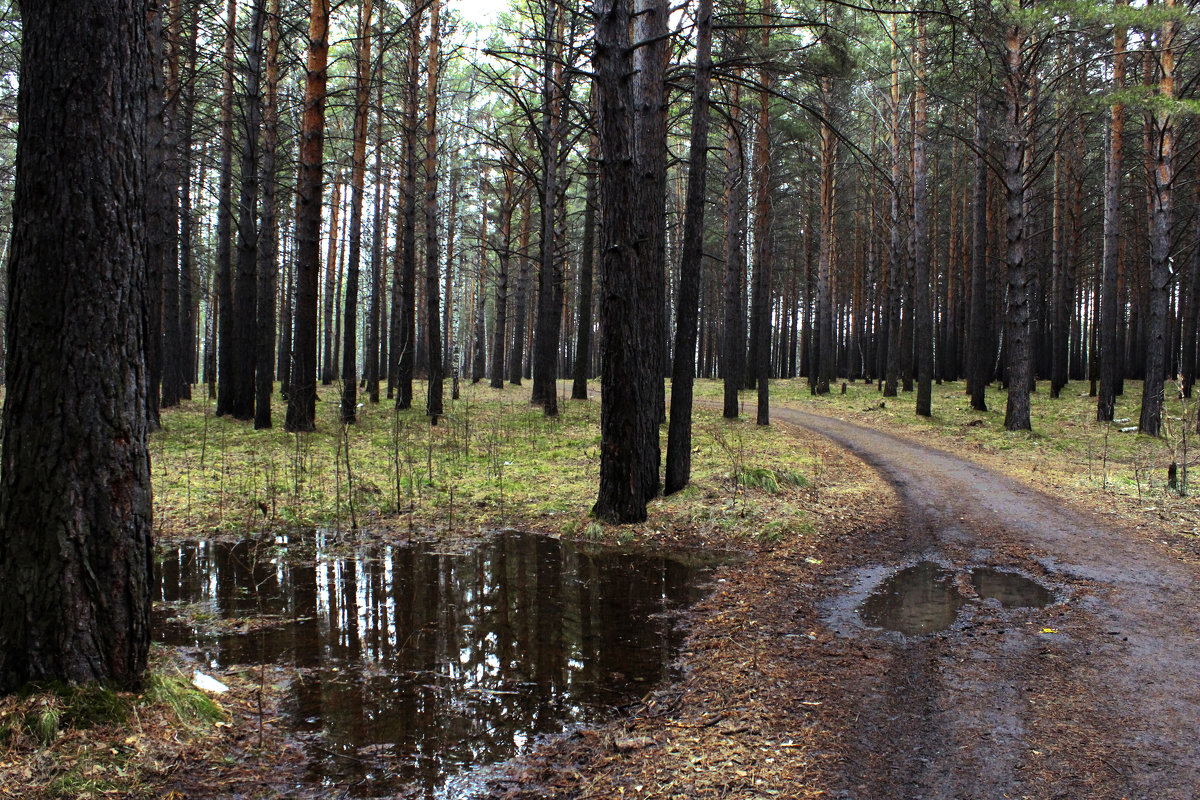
788, 694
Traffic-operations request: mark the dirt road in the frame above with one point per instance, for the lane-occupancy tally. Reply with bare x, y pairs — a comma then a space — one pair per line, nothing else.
1096, 696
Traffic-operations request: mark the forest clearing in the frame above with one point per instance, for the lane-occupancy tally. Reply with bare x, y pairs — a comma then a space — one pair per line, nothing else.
780, 689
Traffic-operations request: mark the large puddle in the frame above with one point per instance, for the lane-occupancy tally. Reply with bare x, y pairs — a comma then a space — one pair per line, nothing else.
419, 662
926, 597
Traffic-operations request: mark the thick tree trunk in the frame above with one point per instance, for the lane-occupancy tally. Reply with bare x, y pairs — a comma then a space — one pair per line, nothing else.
302, 397
826, 336
627, 374
75, 503
683, 367
268, 266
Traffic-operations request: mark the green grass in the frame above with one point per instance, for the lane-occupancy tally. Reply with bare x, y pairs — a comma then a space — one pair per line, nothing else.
492, 460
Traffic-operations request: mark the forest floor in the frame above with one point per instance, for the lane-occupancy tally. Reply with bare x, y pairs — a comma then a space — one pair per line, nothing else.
785, 692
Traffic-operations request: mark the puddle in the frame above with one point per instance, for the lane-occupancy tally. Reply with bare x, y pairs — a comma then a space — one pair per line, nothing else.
925, 597
421, 662
1011, 589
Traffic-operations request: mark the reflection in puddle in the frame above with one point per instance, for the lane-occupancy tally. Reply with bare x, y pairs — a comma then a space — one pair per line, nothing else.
917, 600
925, 598
418, 663
1011, 589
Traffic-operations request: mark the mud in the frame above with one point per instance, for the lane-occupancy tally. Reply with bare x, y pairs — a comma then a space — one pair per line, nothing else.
1097, 695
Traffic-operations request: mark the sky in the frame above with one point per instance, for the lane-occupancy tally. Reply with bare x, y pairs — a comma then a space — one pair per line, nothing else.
480, 10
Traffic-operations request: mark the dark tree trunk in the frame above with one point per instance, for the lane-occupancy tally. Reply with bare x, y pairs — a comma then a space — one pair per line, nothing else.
1163, 127
328, 359
733, 349
433, 336
245, 296
224, 247
626, 374
548, 330
763, 243
378, 235
362, 107
162, 218
1017, 316
583, 322
896, 266
268, 267
825, 333
924, 313
404, 350
517, 354
479, 344
981, 355
75, 507
683, 367
503, 251
187, 268
302, 394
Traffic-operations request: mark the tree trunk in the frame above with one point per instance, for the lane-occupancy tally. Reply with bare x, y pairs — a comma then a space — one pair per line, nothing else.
503, 254
763, 242
1017, 327
268, 267
626, 373
404, 350
187, 268
924, 316
433, 336
825, 334
245, 296
1162, 156
517, 354
479, 346
378, 234
583, 322
733, 350
896, 267
302, 397
981, 355
75, 504
328, 361
683, 367
358, 173
226, 358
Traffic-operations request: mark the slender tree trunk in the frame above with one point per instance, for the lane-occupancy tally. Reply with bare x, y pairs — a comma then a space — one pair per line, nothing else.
225, 313
921, 278
433, 336
358, 173
187, 265
76, 554
683, 367
583, 341
733, 343
763, 235
896, 266
245, 296
302, 396
479, 346
826, 336
378, 234
160, 220
503, 256
406, 348
331, 261
517, 354
172, 344
268, 267
1162, 155
1017, 325
1110, 311
981, 355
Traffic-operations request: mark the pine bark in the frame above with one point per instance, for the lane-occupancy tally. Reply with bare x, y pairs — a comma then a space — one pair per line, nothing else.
358, 172
268, 245
1017, 315
583, 319
981, 355
921, 255
224, 247
433, 336
683, 367
75, 502
404, 350
503, 257
733, 347
302, 397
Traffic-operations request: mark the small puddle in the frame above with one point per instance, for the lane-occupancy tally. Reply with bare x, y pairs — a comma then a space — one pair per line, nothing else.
420, 662
925, 597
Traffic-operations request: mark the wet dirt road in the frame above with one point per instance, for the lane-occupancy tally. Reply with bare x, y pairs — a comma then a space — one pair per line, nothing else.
1096, 696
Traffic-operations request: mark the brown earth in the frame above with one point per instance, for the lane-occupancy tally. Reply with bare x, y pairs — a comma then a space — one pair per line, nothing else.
788, 694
